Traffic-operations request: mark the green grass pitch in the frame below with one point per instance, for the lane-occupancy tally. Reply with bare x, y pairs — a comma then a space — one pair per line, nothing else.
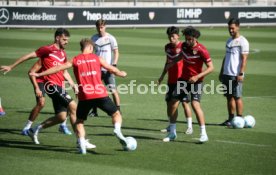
229, 151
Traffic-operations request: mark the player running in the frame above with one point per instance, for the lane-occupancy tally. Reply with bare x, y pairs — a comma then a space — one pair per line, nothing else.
92, 93
38, 85
173, 50
190, 84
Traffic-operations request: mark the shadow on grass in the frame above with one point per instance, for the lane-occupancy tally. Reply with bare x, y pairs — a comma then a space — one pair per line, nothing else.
42, 112
42, 147
161, 120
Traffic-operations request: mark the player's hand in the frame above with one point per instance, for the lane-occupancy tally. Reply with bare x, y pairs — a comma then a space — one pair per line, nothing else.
76, 89
193, 79
34, 74
159, 81
123, 74
5, 69
240, 78
38, 92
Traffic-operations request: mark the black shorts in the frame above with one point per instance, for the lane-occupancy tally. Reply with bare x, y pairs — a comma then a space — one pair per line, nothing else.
41, 87
172, 92
189, 91
233, 87
109, 80
105, 104
60, 98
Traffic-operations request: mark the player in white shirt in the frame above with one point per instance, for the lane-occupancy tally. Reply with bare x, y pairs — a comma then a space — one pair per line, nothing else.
106, 47
233, 70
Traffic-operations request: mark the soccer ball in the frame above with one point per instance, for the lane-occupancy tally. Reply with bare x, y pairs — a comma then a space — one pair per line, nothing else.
237, 122
131, 144
249, 121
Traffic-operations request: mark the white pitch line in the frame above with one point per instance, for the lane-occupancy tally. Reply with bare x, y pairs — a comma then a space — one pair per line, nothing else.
143, 133
261, 97
243, 143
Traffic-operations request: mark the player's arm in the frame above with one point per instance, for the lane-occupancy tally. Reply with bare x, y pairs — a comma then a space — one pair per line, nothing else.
116, 56
221, 70
170, 64
164, 72
112, 69
53, 70
209, 69
36, 67
243, 66
20, 60
71, 82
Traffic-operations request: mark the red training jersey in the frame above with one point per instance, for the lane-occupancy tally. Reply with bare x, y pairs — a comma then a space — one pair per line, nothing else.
193, 60
51, 56
40, 79
172, 52
87, 70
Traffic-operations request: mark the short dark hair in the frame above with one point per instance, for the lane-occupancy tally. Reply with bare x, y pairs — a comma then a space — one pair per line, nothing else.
234, 21
172, 30
85, 42
191, 31
61, 31
100, 22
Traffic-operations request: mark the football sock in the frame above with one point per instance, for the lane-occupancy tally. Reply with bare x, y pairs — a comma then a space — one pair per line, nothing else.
117, 126
37, 129
203, 130
81, 140
231, 116
189, 121
28, 125
64, 122
173, 128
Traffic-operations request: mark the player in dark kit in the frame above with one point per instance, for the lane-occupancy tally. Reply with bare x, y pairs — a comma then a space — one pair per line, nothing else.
92, 93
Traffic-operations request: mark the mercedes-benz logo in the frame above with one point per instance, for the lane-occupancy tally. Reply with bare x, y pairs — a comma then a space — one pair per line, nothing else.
4, 15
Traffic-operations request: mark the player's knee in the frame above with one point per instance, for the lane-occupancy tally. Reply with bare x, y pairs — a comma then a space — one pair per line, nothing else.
41, 103
72, 107
116, 114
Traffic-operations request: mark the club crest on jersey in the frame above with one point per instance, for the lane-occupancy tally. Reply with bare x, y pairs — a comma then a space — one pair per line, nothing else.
195, 52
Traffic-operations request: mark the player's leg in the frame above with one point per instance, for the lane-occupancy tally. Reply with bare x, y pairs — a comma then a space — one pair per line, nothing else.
196, 91
110, 108
229, 83
40, 103
188, 115
201, 120
170, 95
82, 112
110, 81
238, 99
58, 118
173, 114
34, 114
239, 106
61, 101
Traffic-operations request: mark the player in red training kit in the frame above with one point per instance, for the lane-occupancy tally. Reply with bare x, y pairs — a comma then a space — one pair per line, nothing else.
194, 55
38, 83
92, 93
173, 50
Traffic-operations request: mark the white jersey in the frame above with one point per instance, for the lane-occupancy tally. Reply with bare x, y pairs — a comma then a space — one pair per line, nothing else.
233, 57
104, 46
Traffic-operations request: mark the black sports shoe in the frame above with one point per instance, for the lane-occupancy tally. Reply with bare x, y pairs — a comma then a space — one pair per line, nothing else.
93, 114
226, 123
